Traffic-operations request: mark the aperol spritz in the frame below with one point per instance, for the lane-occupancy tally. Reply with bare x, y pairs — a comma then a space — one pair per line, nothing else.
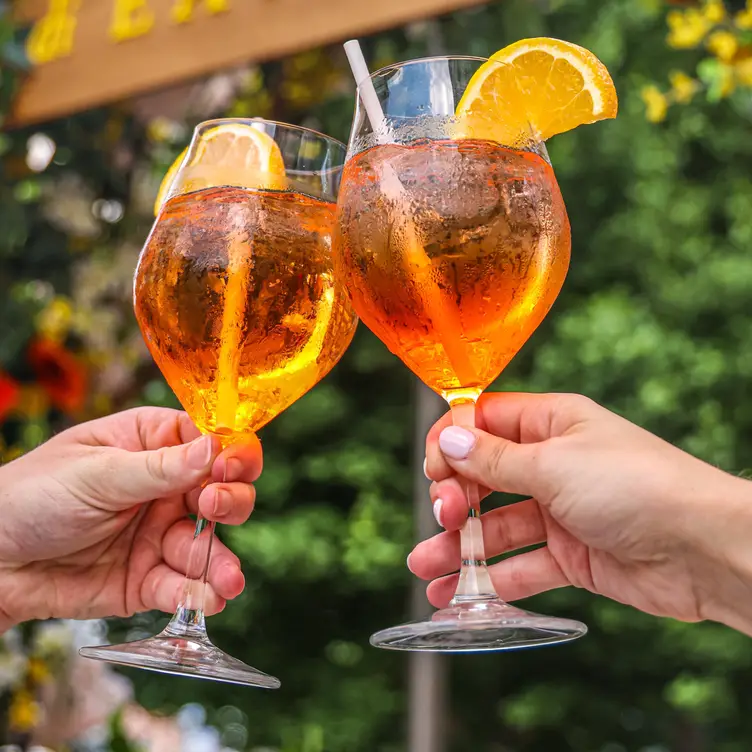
453, 242
236, 299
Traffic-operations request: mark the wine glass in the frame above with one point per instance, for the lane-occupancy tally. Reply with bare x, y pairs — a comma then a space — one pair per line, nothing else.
236, 299
452, 251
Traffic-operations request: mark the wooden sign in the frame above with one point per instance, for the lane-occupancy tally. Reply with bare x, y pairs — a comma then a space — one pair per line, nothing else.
91, 52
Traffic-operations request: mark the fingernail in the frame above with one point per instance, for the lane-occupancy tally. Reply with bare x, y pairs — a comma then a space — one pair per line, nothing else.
201, 452
221, 502
456, 443
233, 469
437, 511
425, 472
408, 561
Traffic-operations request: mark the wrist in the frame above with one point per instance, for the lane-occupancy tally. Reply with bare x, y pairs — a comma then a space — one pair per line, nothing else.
724, 537
6, 623
10, 583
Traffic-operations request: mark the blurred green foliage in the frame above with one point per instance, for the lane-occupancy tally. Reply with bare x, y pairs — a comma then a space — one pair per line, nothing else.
654, 322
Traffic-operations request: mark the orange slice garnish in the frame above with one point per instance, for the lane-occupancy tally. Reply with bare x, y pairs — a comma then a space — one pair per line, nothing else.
235, 154
534, 89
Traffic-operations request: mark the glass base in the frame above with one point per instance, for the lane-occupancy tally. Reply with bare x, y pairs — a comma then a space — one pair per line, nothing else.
182, 655
477, 627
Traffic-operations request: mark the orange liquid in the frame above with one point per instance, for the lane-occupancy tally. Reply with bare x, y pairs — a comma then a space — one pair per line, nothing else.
452, 253
236, 299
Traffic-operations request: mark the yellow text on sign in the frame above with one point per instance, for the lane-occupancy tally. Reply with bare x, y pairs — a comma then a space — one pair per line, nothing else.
182, 11
130, 19
53, 36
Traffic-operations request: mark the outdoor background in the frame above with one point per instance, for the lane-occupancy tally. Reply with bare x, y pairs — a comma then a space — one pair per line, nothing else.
655, 321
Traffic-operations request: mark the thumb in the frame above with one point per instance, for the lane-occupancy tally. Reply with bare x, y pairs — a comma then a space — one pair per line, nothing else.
141, 476
491, 461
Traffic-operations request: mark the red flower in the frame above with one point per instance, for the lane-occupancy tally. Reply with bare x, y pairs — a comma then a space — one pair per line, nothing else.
59, 373
9, 392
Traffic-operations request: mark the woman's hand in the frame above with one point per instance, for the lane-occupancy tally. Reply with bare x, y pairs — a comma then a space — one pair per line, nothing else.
621, 512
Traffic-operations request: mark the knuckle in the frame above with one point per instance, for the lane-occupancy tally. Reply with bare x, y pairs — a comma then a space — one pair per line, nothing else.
108, 471
495, 458
150, 592
156, 463
496, 533
578, 404
227, 559
517, 571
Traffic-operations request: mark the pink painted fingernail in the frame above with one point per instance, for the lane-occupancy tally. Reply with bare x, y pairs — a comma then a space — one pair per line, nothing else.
437, 505
408, 561
456, 443
425, 472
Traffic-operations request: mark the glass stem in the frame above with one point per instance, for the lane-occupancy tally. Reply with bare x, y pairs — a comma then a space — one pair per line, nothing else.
188, 620
475, 582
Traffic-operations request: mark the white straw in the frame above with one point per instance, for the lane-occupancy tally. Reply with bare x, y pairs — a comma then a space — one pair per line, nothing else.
367, 92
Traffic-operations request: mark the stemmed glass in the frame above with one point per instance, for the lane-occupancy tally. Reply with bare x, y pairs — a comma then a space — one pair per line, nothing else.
452, 251
236, 299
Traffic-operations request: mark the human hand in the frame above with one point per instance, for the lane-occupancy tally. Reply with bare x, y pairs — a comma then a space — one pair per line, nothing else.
622, 513
95, 522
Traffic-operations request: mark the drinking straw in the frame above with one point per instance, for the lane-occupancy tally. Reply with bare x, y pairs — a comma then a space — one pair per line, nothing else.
444, 315
367, 92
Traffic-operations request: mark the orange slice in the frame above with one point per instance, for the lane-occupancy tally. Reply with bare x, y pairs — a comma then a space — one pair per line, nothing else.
534, 89
231, 154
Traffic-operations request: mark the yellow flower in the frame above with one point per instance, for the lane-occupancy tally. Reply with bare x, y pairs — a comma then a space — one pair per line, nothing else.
683, 87
743, 71
23, 714
714, 11
723, 44
686, 28
53, 322
656, 103
37, 671
743, 19
728, 82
